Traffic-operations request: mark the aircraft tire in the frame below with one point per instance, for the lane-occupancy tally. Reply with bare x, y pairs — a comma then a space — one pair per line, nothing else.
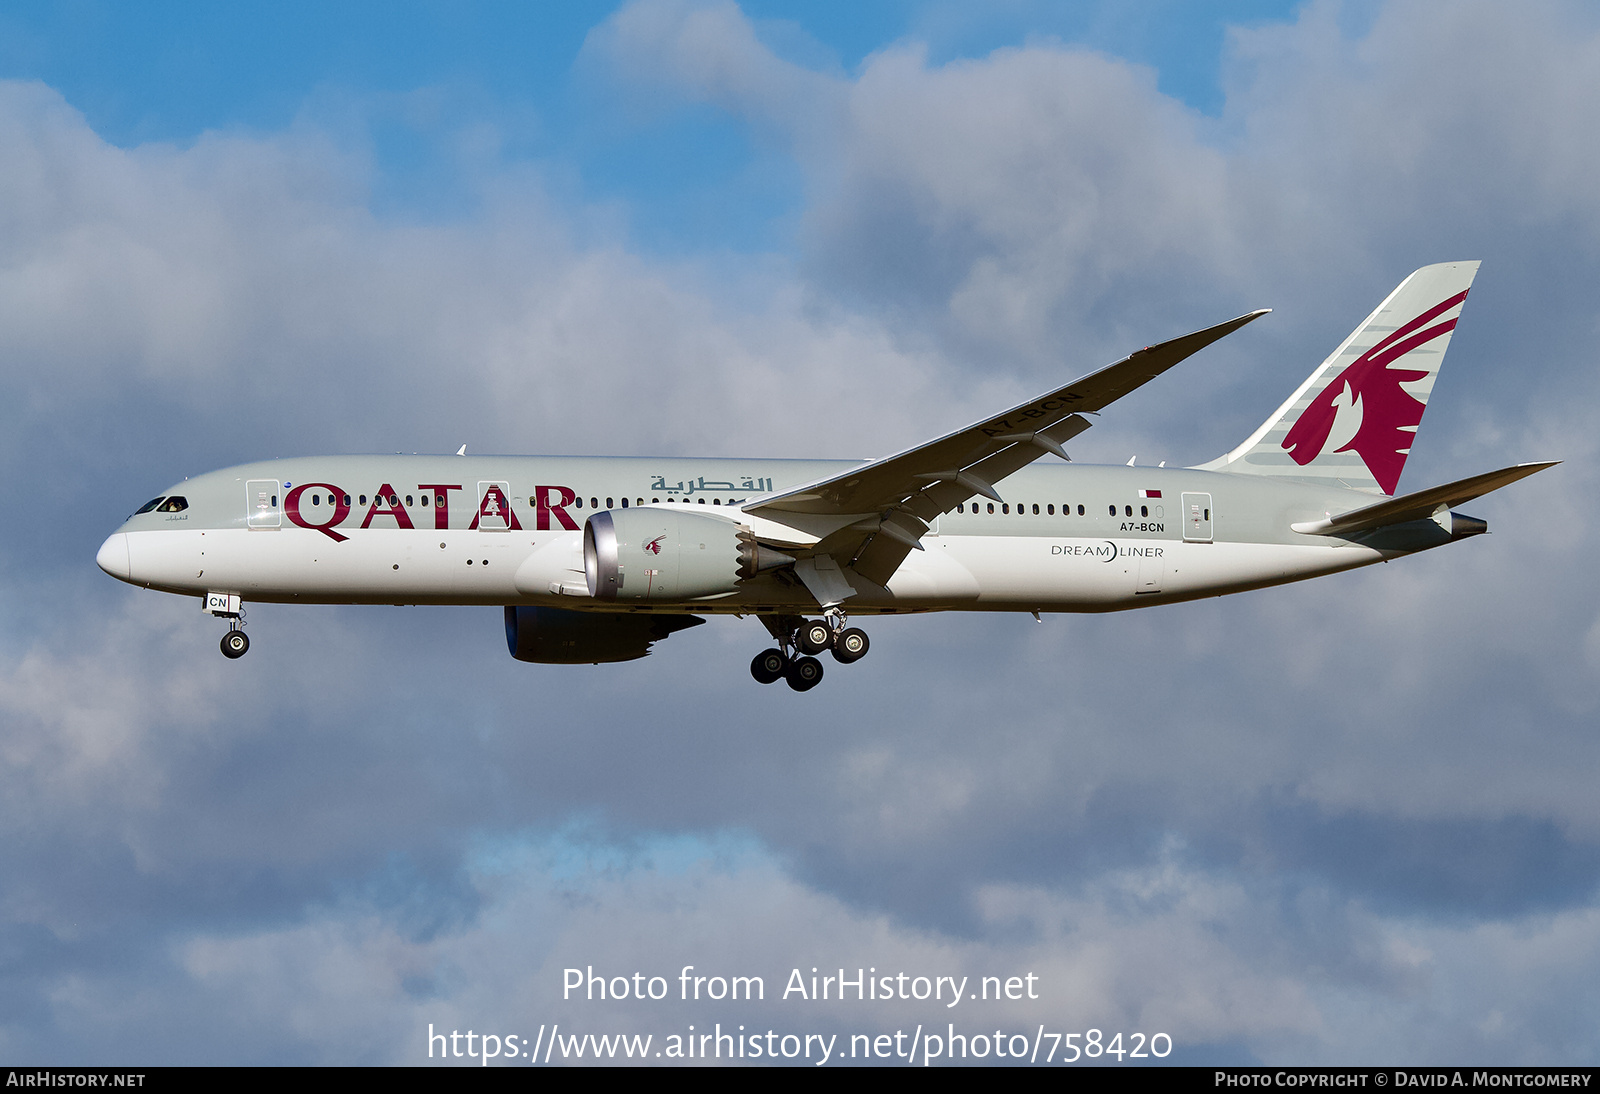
769, 666
235, 644
851, 645
815, 636
804, 673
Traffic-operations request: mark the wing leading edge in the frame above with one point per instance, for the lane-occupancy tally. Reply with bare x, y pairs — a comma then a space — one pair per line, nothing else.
896, 497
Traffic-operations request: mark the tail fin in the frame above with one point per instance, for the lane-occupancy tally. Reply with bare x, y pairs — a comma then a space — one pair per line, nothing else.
1352, 423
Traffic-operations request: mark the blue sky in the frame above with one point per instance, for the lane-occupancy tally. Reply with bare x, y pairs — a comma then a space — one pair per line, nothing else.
1347, 821
407, 78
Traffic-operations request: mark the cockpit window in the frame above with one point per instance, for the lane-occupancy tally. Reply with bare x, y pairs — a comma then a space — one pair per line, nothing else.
149, 505
174, 504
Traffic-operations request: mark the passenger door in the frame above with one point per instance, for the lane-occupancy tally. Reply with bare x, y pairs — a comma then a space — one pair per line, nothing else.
261, 504
1197, 518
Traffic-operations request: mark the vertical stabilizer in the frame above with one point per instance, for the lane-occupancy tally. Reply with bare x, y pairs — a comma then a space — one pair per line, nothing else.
1352, 422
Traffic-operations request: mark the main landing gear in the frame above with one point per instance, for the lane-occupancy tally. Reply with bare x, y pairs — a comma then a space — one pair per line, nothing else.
799, 640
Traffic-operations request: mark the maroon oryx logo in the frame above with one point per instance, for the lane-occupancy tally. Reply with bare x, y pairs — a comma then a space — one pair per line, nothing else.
1366, 409
654, 546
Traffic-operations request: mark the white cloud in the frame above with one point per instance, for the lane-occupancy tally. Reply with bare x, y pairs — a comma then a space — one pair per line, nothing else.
1291, 821
1164, 948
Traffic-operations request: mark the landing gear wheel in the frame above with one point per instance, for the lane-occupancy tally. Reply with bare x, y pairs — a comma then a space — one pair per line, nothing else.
769, 666
815, 636
235, 644
804, 673
850, 645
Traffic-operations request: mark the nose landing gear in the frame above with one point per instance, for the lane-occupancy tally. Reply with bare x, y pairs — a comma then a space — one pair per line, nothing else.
798, 640
235, 644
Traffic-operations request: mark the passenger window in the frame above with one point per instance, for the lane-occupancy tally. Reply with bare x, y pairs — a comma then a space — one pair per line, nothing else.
1035, 508
991, 507
363, 499
316, 499
594, 503
1112, 510
174, 504
624, 503
961, 507
1080, 510
1144, 510
655, 501
608, 504
409, 501
577, 503
424, 501
702, 501
149, 505
716, 501
347, 499
1050, 510
1127, 510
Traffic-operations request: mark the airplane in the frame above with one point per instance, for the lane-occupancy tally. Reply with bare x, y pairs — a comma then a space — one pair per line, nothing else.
595, 559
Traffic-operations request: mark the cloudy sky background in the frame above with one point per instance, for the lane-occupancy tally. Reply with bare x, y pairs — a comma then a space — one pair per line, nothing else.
1350, 821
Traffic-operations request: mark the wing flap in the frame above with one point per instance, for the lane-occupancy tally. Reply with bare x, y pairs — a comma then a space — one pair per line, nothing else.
823, 578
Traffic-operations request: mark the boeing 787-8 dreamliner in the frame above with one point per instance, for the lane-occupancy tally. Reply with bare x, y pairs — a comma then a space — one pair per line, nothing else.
596, 558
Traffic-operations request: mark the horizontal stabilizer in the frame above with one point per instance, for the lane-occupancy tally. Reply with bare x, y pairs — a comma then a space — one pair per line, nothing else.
1418, 506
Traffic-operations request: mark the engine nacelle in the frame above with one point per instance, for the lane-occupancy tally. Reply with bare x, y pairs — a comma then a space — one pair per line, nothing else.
557, 636
668, 554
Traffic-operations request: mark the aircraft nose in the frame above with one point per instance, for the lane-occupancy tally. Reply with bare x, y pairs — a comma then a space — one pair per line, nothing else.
113, 556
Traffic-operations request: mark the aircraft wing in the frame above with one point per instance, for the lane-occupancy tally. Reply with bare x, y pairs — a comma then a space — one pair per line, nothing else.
1421, 505
898, 495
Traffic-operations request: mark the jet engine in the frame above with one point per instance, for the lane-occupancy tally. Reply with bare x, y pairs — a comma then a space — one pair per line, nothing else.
557, 636
668, 554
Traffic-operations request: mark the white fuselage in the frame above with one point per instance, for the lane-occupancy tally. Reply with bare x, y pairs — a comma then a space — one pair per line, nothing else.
1067, 538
